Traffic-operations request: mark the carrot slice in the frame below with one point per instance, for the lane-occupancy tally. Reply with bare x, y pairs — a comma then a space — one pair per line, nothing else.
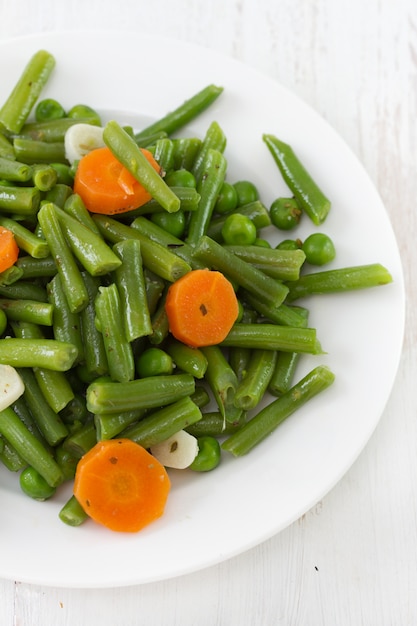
9, 250
121, 485
106, 186
201, 307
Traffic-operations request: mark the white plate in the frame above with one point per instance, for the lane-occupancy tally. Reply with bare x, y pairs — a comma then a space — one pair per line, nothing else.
212, 517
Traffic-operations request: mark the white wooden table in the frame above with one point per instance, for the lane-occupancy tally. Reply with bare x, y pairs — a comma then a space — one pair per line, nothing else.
352, 559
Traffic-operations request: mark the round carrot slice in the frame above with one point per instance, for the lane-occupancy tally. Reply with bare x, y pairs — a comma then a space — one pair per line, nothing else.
106, 186
201, 307
121, 485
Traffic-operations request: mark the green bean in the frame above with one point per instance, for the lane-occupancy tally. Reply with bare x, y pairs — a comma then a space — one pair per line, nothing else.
280, 264
14, 171
163, 423
82, 440
213, 171
110, 323
254, 385
66, 325
185, 152
214, 139
89, 248
156, 258
286, 365
25, 239
265, 288
145, 393
10, 277
200, 397
182, 249
184, 113
67, 461
222, 381
164, 153
282, 314
147, 141
72, 282
36, 268
212, 424
309, 196
273, 337
28, 311
189, 360
94, 351
256, 211
126, 150
188, 197
76, 409
6, 147
154, 289
339, 280
72, 513
44, 176
160, 324
110, 425
52, 130
26, 91
75, 207
24, 290
64, 174
58, 195
10, 457
130, 282
49, 353
47, 419
21, 409
270, 417
22, 201
30, 151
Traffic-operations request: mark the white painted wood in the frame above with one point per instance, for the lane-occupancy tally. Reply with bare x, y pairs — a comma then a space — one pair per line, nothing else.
352, 559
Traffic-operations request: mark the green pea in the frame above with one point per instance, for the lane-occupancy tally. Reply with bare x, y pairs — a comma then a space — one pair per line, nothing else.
289, 244
154, 362
263, 243
180, 178
239, 229
227, 199
319, 249
34, 485
285, 213
246, 192
49, 109
209, 454
173, 223
3, 322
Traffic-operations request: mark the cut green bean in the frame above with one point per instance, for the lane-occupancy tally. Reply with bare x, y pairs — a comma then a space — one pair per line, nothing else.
36, 268
211, 181
144, 393
222, 381
286, 366
184, 113
126, 150
89, 248
28, 311
26, 91
212, 424
188, 197
14, 171
279, 264
10, 276
185, 152
31, 151
67, 267
53, 130
309, 196
66, 325
94, 353
130, 281
6, 147
72, 513
25, 239
22, 201
75, 207
24, 290
273, 337
163, 423
267, 289
189, 360
269, 418
111, 425
47, 420
254, 385
49, 353
44, 176
164, 153
161, 261
110, 323
81, 440
214, 139
29, 447
339, 280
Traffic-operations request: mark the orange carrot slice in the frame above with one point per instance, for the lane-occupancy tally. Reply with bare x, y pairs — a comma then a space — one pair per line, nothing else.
201, 307
9, 250
106, 186
121, 485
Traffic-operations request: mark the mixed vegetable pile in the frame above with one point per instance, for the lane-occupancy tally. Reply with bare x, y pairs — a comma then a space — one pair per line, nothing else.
144, 321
